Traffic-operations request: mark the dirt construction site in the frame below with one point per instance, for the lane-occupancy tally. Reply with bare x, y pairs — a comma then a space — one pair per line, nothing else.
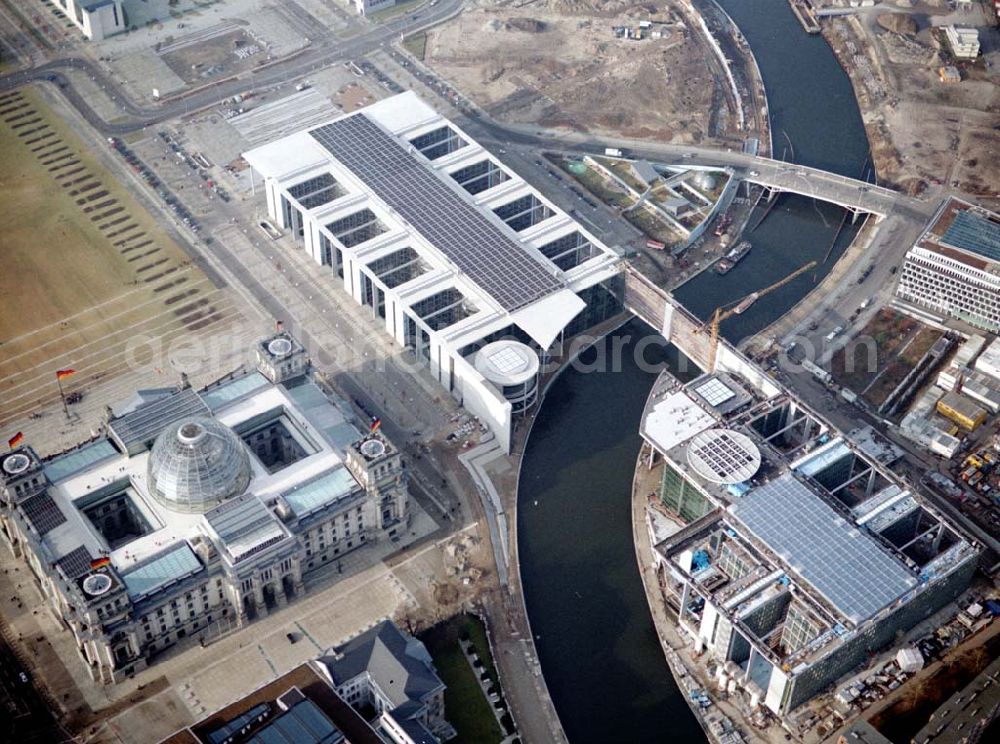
550, 62
925, 127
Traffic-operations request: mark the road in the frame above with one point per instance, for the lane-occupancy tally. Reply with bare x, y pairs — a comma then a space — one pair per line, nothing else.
777, 174
24, 715
136, 117
765, 171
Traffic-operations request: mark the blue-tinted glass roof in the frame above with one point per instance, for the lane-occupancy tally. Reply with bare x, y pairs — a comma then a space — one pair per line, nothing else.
171, 565
824, 458
324, 490
73, 462
303, 723
974, 233
231, 727
324, 413
841, 562
219, 396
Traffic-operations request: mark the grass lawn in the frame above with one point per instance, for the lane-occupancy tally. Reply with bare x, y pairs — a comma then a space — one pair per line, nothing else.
624, 171
416, 45
86, 267
652, 226
920, 345
466, 707
889, 329
597, 185
399, 8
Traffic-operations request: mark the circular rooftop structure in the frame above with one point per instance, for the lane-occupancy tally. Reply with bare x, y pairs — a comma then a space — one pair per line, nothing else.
97, 584
507, 362
16, 464
196, 464
279, 347
723, 456
372, 448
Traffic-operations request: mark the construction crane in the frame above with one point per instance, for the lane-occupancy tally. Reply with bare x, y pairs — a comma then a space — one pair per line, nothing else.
735, 308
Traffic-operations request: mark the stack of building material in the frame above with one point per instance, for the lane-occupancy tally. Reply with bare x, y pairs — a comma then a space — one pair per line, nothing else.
910, 660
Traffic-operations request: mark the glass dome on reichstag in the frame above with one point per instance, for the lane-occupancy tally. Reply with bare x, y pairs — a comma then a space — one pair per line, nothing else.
196, 464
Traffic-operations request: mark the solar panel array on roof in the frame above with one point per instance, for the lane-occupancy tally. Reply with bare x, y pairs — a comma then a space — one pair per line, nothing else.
476, 246
136, 429
75, 563
43, 513
840, 561
974, 233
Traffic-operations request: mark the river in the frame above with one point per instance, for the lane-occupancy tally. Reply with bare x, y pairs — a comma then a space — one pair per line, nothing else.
596, 642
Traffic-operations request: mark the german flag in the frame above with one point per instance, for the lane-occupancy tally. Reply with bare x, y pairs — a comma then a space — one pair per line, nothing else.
375, 425
100, 562
62, 374
15, 440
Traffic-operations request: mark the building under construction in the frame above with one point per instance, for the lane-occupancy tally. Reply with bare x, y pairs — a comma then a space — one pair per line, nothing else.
802, 552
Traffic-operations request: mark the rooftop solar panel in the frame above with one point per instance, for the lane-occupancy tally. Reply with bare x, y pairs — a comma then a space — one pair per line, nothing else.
475, 245
840, 561
43, 513
75, 563
974, 233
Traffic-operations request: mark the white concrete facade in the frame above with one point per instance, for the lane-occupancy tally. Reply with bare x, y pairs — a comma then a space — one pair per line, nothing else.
964, 41
364, 7
953, 280
97, 19
424, 301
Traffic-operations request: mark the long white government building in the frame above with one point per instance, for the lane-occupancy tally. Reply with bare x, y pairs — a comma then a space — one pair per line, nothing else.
199, 511
463, 262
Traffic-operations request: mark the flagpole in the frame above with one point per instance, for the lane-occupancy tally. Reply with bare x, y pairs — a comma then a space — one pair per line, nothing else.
62, 395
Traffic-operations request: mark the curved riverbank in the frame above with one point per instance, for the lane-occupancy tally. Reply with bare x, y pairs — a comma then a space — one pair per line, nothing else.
603, 664
602, 659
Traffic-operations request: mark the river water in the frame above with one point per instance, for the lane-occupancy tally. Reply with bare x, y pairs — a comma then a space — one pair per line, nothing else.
596, 642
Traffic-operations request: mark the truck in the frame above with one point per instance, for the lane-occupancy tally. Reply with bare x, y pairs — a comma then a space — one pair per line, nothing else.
613, 152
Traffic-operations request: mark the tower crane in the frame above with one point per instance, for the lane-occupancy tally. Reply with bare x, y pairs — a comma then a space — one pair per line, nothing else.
723, 312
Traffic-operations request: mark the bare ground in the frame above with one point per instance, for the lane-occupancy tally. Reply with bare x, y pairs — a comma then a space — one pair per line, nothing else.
557, 63
922, 130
